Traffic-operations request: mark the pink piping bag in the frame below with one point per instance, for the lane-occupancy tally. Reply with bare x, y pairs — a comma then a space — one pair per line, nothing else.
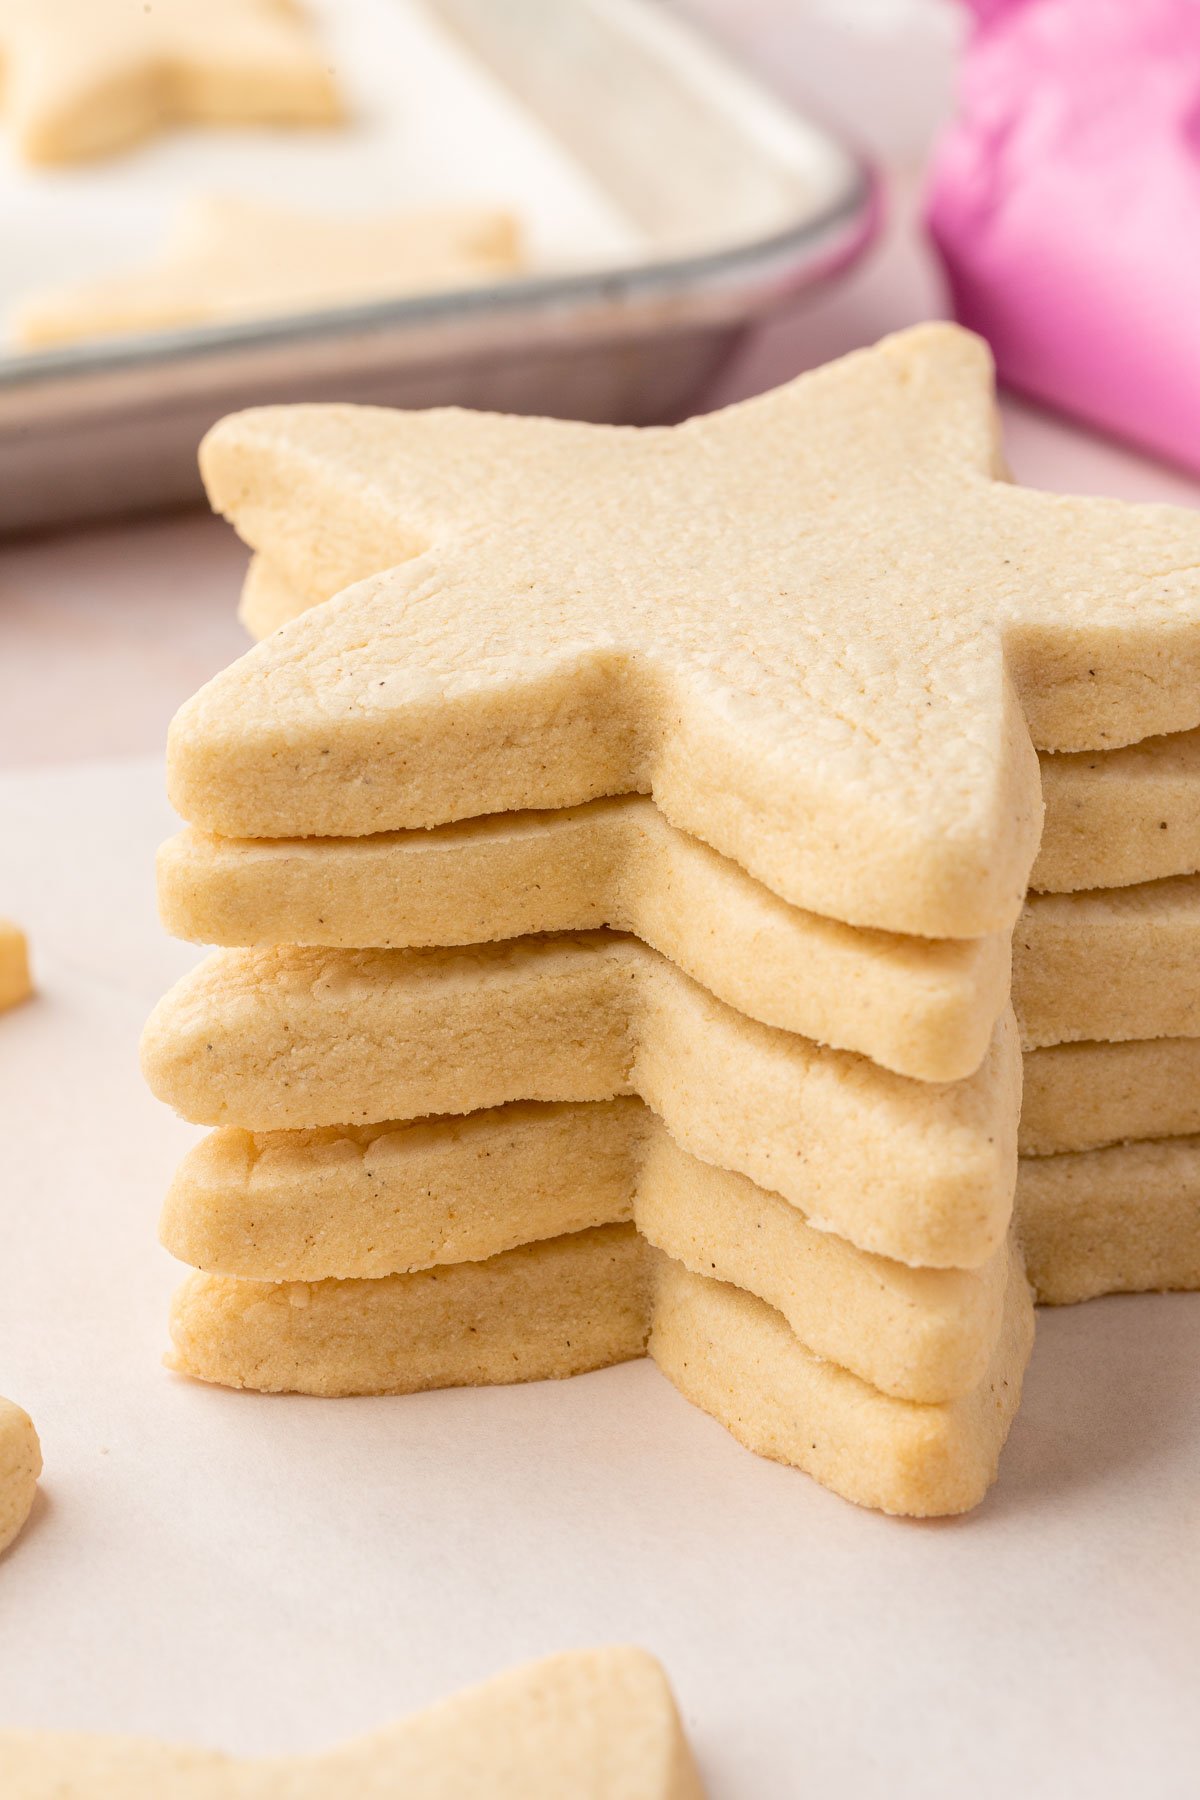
1065, 204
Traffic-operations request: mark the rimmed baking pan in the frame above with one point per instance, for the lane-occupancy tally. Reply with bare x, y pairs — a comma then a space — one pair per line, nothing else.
734, 206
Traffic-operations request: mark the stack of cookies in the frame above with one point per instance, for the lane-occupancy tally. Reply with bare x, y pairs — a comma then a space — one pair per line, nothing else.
618, 896
1107, 990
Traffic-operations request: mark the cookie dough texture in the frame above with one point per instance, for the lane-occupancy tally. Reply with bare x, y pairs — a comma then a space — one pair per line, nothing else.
923, 1007
15, 981
229, 259
593, 1724
1116, 964
831, 627
83, 78
1119, 1220
1083, 1096
299, 1038
20, 1466
372, 1202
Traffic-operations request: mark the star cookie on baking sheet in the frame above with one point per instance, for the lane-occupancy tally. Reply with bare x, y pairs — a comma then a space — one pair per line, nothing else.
82, 78
230, 259
592, 1724
816, 627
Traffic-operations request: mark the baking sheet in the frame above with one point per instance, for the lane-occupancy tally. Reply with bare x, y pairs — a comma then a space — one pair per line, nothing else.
427, 124
271, 1573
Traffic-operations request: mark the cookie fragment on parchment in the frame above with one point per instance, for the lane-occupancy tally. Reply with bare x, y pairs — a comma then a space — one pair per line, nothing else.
20, 1466
15, 981
594, 1724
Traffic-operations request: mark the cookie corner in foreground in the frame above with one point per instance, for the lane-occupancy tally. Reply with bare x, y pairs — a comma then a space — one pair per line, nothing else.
20, 1467
601, 1723
16, 982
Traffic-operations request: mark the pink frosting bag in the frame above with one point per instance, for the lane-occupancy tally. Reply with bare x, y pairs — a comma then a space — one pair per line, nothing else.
1065, 204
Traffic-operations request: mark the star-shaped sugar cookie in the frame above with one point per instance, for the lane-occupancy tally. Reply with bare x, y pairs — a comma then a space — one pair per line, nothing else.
82, 78
230, 259
816, 627
592, 1724
289, 1038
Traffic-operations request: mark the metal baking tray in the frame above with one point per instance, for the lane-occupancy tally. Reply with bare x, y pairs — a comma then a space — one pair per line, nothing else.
741, 205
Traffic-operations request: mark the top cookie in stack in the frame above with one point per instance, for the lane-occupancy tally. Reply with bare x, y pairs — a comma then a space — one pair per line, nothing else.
815, 632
